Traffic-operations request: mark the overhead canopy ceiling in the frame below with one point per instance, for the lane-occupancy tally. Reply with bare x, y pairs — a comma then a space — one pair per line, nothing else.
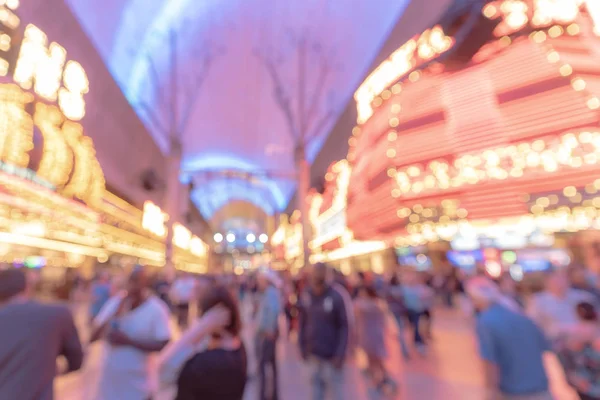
219, 70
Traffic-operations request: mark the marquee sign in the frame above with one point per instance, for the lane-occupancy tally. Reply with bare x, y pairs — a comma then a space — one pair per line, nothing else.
513, 16
40, 110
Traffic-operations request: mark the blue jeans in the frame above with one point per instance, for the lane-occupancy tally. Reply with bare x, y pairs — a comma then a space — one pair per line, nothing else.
414, 317
324, 377
399, 317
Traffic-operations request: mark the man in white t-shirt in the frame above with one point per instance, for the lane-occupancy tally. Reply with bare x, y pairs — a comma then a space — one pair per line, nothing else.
182, 293
136, 324
554, 309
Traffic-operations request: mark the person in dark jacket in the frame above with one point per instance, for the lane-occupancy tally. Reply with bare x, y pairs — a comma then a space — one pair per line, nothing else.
323, 335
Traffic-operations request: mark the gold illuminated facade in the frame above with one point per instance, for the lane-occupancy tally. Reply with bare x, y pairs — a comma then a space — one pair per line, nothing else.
53, 199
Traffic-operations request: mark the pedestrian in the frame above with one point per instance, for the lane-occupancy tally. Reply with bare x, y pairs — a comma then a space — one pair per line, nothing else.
555, 309
510, 344
395, 300
209, 361
418, 298
579, 353
323, 336
181, 295
267, 333
101, 292
371, 315
33, 335
135, 324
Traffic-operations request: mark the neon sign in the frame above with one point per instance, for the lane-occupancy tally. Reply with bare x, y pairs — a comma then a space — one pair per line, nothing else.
44, 68
181, 236
540, 157
331, 223
515, 16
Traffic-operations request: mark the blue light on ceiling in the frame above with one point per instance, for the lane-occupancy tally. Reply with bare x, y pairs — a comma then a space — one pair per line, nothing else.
214, 194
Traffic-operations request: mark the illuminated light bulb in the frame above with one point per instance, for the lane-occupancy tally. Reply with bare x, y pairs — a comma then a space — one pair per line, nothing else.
377, 101
356, 131
555, 31
490, 11
505, 40
590, 189
391, 172
397, 88
586, 137
414, 218
230, 238
596, 202
570, 191
576, 199
590, 159
539, 37
553, 57
263, 238
392, 136
414, 76
578, 84
391, 153
396, 108
4, 42
417, 187
386, 94
593, 103
566, 70
462, 213
12, 4
573, 29
413, 171
394, 122
396, 193
250, 238
543, 201
537, 209
418, 208
218, 238
3, 67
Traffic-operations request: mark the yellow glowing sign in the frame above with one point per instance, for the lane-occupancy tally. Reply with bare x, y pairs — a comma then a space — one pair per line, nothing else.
154, 219
181, 236
44, 69
16, 127
198, 247
68, 160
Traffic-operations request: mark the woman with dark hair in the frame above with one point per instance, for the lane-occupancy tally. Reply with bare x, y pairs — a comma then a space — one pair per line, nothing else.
371, 315
209, 360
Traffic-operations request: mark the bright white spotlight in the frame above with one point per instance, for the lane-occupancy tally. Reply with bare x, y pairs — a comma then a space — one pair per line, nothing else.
218, 237
251, 238
263, 238
230, 237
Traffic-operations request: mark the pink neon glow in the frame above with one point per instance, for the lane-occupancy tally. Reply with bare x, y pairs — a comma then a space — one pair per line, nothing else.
521, 94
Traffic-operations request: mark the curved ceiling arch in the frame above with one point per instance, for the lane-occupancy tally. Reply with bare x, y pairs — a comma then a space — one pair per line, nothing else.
236, 112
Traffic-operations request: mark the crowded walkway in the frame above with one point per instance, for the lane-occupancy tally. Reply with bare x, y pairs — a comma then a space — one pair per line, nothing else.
451, 370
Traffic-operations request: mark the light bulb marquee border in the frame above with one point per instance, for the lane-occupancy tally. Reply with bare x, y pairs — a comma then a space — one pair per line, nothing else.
425, 50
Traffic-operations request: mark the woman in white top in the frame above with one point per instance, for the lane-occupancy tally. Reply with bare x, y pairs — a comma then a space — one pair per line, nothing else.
135, 324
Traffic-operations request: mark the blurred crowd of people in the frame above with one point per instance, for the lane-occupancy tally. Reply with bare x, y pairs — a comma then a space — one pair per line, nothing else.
331, 317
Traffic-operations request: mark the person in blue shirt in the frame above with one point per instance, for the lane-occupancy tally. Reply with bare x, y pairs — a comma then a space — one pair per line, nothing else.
101, 292
267, 332
510, 344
